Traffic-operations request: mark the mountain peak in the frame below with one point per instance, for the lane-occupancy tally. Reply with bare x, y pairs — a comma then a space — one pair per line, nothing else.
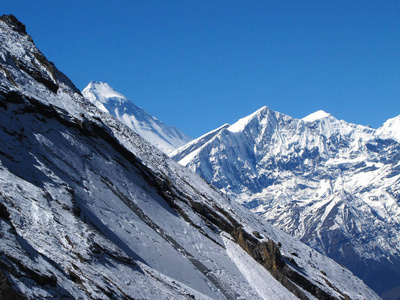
390, 129
88, 209
102, 92
312, 177
164, 137
241, 123
320, 114
14, 23
261, 111
18, 46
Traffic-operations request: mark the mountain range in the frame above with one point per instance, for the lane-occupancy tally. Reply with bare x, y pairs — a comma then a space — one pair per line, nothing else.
331, 184
164, 137
91, 210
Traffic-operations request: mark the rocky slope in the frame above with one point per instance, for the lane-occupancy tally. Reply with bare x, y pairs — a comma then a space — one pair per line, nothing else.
90, 210
166, 138
334, 185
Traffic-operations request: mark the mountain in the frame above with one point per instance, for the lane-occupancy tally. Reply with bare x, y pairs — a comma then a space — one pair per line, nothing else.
90, 210
333, 185
165, 138
390, 129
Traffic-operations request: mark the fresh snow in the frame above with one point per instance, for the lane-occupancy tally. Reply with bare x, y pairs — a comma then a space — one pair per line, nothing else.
320, 114
84, 215
166, 138
390, 129
102, 92
255, 274
332, 184
241, 124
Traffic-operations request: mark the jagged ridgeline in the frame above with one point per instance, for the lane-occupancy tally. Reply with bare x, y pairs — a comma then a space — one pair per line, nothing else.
331, 184
164, 137
90, 210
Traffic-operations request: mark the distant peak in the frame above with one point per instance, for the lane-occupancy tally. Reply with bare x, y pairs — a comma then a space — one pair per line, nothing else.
103, 92
95, 83
320, 114
241, 123
262, 110
258, 112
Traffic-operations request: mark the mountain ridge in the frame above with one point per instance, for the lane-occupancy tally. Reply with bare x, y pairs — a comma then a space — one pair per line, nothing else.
166, 138
89, 209
332, 184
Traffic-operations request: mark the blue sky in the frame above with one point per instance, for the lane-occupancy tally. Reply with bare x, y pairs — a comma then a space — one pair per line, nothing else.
199, 64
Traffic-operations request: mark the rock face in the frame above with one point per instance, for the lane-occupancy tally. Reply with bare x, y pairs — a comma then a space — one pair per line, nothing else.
90, 210
334, 185
166, 138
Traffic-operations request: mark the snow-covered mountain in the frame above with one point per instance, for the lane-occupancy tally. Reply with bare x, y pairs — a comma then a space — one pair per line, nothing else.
334, 185
390, 129
164, 137
90, 210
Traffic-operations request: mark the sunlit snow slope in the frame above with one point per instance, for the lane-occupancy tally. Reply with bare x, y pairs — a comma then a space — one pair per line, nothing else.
334, 185
390, 129
90, 210
165, 138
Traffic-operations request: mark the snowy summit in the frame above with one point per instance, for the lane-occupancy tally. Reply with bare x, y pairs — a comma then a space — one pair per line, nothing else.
90, 210
100, 94
320, 114
164, 137
330, 183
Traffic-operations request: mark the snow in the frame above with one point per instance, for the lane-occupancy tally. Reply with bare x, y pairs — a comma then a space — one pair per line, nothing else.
323, 180
190, 147
257, 276
103, 92
241, 124
320, 114
166, 138
91, 216
390, 129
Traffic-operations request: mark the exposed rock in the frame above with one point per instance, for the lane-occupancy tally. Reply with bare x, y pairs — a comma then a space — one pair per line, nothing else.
7, 292
14, 23
332, 184
92, 211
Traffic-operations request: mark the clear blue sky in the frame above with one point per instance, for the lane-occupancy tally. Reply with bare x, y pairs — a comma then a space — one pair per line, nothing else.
199, 64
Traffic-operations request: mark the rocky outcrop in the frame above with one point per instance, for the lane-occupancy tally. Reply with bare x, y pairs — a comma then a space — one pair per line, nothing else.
7, 292
14, 23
